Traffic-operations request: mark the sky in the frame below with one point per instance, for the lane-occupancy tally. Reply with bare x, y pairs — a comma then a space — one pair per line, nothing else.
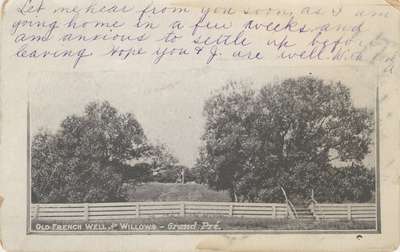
169, 105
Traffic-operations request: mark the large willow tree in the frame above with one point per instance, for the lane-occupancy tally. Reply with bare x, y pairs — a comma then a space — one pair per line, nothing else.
87, 158
301, 134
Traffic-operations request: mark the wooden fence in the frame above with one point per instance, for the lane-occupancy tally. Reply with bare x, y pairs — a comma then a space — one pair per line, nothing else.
354, 211
128, 210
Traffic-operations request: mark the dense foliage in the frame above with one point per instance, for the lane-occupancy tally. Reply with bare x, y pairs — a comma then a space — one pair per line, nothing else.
91, 156
300, 135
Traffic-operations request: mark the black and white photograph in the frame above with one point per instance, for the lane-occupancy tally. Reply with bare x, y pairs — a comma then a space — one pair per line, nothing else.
279, 149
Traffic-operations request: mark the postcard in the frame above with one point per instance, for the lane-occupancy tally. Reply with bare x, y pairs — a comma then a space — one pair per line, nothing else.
199, 126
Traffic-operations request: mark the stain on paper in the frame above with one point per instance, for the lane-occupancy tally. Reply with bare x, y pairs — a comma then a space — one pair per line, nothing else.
3, 7
394, 3
1, 243
217, 243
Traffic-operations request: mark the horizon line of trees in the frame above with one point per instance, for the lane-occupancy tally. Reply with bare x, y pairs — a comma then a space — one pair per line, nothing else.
300, 135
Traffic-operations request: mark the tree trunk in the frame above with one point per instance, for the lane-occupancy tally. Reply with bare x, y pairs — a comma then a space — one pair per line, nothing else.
233, 194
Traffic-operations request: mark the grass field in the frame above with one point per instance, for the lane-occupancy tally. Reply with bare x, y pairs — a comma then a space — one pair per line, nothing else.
192, 223
175, 192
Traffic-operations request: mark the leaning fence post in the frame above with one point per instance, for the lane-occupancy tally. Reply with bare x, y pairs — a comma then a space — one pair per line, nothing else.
349, 212
182, 209
231, 210
86, 211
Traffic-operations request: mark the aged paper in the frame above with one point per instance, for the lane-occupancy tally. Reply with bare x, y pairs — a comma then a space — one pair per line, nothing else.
199, 125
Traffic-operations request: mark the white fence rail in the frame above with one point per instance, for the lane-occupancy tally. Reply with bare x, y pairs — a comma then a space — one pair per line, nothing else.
128, 210
354, 211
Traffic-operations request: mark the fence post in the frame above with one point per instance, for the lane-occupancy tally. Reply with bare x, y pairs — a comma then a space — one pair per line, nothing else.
86, 211
36, 211
349, 212
314, 211
137, 209
231, 210
273, 211
182, 209
287, 210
